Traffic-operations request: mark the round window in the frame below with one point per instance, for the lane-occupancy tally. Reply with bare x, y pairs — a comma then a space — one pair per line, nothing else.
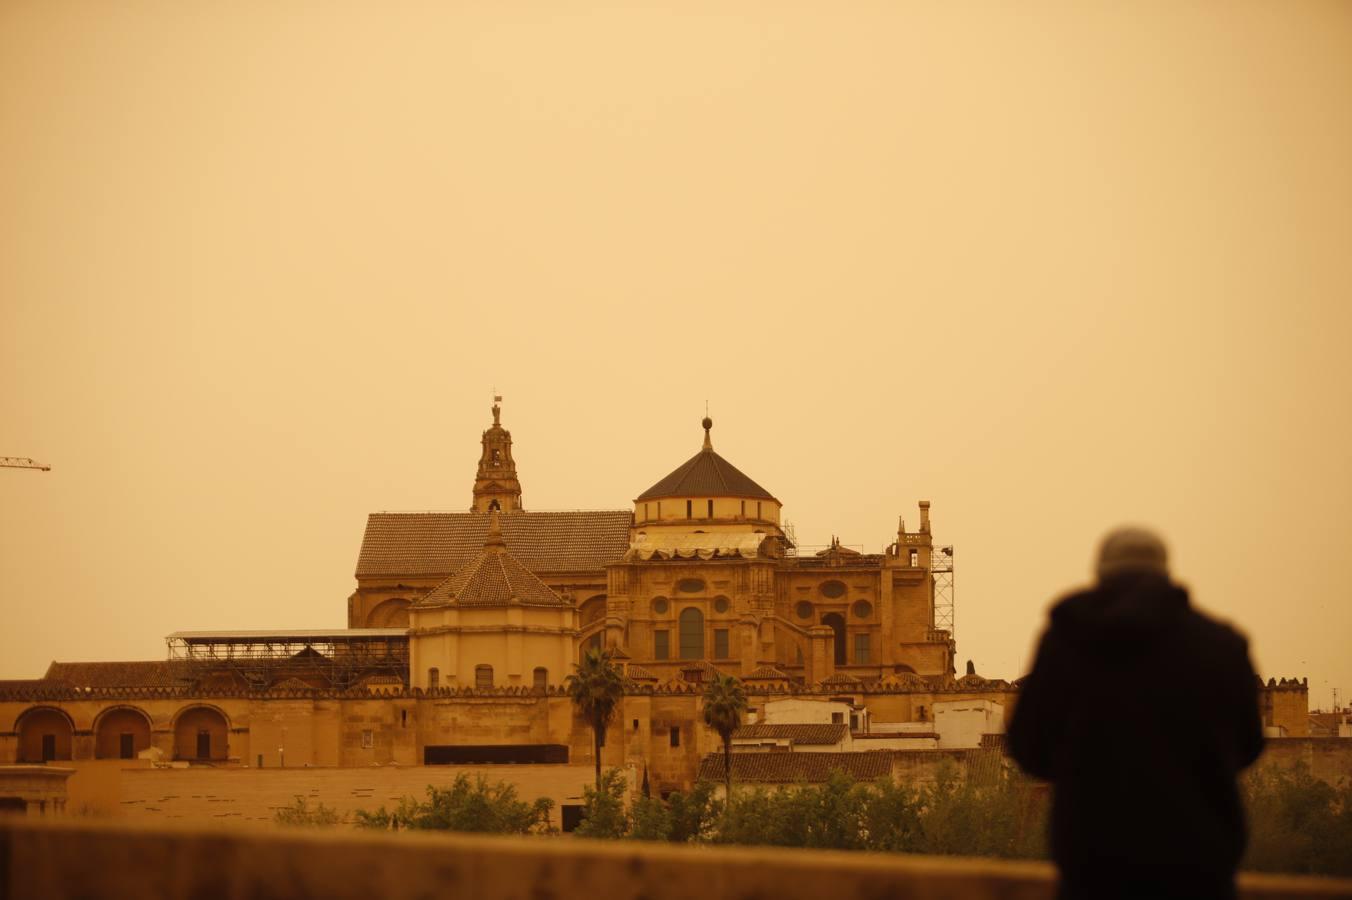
862, 609
660, 606
833, 589
804, 609
721, 604
690, 585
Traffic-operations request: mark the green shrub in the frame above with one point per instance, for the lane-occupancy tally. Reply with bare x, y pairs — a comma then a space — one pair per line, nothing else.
603, 813
470, 806
1297, 823
302, 814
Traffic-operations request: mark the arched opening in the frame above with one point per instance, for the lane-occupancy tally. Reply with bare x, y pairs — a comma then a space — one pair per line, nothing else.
493, 505
121, 733
837, 624
393, 613
692, 633
201, 733
45, 734
540, 678
433, 678
483, 677
592, 609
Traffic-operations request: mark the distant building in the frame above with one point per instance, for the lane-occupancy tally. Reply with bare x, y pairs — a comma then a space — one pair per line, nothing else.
464, 626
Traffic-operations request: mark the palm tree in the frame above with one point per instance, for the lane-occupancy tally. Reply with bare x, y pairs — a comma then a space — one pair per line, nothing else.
596, 688
724, 704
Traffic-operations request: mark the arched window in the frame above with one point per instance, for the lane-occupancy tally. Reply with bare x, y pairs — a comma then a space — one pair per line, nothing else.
483, 677
392, 613
121, 734
44, 735
494, 505
201, 732
692, 633
541, 675
433, 678
837, 623
915, 557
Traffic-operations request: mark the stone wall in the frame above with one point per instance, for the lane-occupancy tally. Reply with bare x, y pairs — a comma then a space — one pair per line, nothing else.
138, 791
89, 861
1329, 759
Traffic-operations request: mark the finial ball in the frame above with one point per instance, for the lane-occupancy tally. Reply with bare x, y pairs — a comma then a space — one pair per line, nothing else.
707, 423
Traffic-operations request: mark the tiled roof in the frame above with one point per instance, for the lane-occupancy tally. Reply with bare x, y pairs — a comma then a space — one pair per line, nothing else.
767, 673
778, 767
700, 670
147, 673
638, 673
814, 734
706, 474
441, 543
292, 684
24, 684
841, 678
493, 578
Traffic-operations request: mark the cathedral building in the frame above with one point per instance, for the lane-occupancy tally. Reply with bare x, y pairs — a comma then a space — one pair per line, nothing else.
700, 571
464, 626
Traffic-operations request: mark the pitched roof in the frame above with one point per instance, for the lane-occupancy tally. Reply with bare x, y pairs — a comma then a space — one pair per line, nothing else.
767, 673
811, 734
439, 543
777, 767
141, 673
25, 684
493, 578
638, 673
706, 474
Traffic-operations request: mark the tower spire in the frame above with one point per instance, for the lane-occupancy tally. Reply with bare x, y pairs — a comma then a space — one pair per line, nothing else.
496, 487
708, 424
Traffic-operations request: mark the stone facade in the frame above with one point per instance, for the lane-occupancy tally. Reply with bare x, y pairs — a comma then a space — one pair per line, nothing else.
496, 604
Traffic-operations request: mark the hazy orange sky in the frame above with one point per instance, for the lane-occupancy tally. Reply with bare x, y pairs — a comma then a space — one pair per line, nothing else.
1049, 266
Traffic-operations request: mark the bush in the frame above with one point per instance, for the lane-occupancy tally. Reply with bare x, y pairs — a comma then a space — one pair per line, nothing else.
649, 820
470, 806
1297, 823
1002, 817
301, 814
695, 815
603, 814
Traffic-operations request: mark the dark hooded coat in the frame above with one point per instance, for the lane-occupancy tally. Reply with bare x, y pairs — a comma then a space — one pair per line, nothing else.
1141, 712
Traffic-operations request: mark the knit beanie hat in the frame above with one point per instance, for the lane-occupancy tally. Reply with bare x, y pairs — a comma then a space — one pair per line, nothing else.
1132, 550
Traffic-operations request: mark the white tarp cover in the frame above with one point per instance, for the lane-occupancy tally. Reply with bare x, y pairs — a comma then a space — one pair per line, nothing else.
691, 546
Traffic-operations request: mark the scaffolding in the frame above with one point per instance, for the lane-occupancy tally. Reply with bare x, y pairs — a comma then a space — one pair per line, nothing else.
260, 660
941, 568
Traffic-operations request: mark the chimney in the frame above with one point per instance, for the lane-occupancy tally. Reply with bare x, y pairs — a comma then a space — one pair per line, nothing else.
924, 516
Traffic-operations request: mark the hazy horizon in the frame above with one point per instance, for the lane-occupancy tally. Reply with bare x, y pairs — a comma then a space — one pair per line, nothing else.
1053, 269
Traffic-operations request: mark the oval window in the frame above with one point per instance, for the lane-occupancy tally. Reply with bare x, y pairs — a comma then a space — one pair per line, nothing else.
721, 604
660, 605
804, 609
690, 585
862, 609
833, 589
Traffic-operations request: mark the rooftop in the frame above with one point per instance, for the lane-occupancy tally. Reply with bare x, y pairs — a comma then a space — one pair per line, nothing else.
786, 767
493, 578
706, 474
441, 543
808, 734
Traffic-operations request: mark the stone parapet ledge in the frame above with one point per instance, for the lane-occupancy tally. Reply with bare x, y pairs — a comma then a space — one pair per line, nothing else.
102, 861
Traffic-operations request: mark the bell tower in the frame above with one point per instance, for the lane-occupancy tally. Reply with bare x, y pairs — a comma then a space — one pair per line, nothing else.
495, 485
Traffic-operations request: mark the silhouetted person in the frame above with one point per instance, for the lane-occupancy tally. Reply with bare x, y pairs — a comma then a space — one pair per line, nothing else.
1141, 712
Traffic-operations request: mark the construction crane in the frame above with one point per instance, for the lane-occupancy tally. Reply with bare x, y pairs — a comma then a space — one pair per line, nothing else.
22, 462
